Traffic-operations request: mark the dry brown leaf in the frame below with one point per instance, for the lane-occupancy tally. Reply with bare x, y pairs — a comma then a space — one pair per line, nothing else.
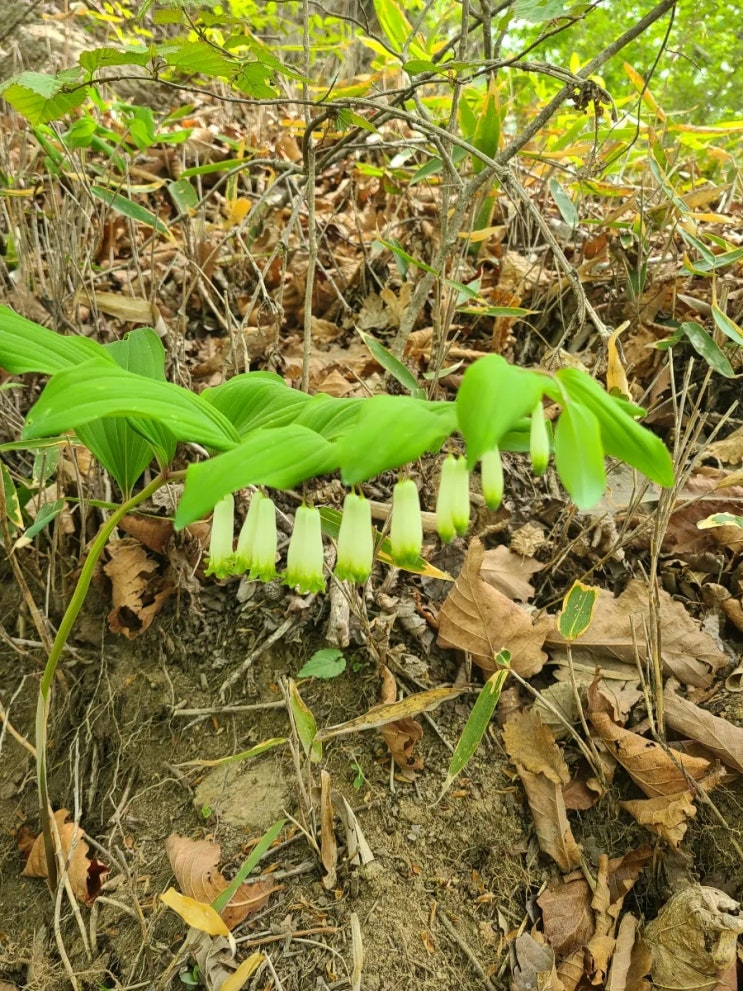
707, 491
693, 939
509, 573
723, 739
138, 590
543, 771
667, 815
194, 864
383, 713
567, 916
153, 532
328, 846
657, 772
535, 965
728, 450
85, 875
401, 735
631, 961
477, 618
688, 653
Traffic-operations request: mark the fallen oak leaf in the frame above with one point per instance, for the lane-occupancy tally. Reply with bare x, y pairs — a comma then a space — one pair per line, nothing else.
194, 864
85, 875
477, 618
138, 590
666, 815
401, 735
723, 739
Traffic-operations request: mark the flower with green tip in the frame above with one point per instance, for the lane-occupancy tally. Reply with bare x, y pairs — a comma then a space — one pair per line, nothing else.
491, 471
246, 539
406, 528
265, 543
221, 561
453, 501
539, 440
304, 559
355, 540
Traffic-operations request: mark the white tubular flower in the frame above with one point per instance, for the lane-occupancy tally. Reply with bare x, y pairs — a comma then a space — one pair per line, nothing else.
406, 528
355, 540
539, 441
453, 501
221, 561
491, 469
304, 560
246, 540
263, 565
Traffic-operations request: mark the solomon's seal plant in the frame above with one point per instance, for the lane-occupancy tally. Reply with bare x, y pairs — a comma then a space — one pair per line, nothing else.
406, 526
304, 559
355, 540
453, 502
221, 561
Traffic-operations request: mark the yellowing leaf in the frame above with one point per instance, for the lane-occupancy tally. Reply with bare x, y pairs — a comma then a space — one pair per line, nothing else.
246, 969
195, 914
616, 377
237, 211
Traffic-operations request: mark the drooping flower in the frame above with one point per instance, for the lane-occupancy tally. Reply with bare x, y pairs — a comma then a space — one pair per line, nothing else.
304, 560
246, 539
355, 540
221, 561
491, 470
263, 565
406, 528
539, 441
453, 501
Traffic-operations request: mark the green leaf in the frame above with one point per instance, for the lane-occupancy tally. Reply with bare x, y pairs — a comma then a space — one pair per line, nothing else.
279, 457
478, 720
393, 365
394, 23
563, 202
201, 57
729, 327
126, 207
48, 512
579, 456
492, 398
706, 348
487, 130
99, 58
256, 399
28, 347
246, 869
391, 431
40, 97
621, 436
538, 10
326, 663
577, 610
94, 389
305, 723
330, 416
12, 506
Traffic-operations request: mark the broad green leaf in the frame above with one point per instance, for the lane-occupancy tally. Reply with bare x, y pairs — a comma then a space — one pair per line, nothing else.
326, 663
248, 866
134, 211
28, 347
492, 398
487, 130
98, 58
256, 399
305, 723
329, 416
201, 57
183, 195
346, 119
393, 365
706, 348
621, 436
391, 431
564, 204
579, 457
394, 23
729, 327
279, 457
40, 97
577, 610
478, 720
538, 10
12, 506
94, 389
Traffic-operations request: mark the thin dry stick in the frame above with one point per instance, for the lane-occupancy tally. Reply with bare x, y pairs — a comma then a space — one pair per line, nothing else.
255, 654
466, 949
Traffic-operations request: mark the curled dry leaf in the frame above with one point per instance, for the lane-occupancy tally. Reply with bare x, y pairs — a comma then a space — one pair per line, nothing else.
534, 965
656, 771
693, 939
138, 589
617, 633
668, 816
543, 772
481, 620
194, 864
328, 846
86, 876
402, 735
509, 573
723, 739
